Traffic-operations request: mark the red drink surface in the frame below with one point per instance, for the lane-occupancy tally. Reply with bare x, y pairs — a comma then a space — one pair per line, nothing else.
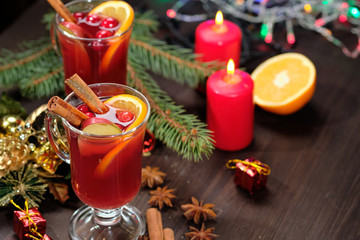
85, 55
119, 182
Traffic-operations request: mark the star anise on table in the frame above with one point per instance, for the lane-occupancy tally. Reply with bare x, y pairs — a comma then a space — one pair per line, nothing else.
202, 234
151, 176
161, 197
198, 210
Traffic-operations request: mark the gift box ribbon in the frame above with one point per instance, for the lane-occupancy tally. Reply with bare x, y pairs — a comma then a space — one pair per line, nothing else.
261, 168
28, 215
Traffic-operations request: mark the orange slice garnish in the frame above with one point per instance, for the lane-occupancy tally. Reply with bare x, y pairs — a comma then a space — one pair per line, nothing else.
139, 109
122, 12
132, 104
285, 83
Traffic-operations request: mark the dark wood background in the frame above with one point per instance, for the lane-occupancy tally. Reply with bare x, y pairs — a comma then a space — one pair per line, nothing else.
313, 191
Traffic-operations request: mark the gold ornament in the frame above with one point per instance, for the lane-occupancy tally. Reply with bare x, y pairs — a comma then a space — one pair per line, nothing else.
13, 154
47, 158
20, 142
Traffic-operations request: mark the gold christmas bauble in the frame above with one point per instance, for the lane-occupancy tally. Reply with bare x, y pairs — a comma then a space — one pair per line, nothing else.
10, 124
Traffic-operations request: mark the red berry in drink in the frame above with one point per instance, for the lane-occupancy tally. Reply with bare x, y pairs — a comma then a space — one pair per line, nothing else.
83, 108
93, 19
90, 114
109, 23
80, 16
103, 34
124, 116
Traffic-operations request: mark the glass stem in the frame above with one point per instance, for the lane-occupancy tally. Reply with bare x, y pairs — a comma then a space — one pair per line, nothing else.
107, 217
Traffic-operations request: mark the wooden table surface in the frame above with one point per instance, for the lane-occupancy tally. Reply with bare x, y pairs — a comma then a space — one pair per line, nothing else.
313, 191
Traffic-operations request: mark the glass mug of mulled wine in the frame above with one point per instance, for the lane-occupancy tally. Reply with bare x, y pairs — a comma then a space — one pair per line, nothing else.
105, 153
95, 45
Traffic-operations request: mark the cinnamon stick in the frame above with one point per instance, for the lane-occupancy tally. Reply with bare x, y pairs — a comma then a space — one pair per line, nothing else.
154, 222
65, 110
82, 90
169, 234
60, 8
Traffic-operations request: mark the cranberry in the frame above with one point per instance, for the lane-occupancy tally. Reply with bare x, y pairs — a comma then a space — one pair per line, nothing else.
93, 19
124, 116
103, 34
79, 16
90, 114
109, 23
83, 108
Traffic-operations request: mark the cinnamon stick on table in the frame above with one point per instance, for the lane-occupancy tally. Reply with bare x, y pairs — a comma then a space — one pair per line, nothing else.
65, 110
60, 8
82, 90
154, 222
169, 234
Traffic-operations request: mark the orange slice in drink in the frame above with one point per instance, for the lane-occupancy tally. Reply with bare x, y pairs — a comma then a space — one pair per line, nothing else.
284, 84
139, 109
122, 12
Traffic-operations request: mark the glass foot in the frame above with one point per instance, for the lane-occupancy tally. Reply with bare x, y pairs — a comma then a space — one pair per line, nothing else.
125, 223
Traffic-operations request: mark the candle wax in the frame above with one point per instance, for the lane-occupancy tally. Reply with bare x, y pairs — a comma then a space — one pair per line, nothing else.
218, 42
230, 109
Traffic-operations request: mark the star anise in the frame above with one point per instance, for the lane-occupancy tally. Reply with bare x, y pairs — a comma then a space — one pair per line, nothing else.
198, 210
161, 197
202, 234
151, 176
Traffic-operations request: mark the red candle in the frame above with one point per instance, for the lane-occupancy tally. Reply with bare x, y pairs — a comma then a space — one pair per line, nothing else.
230, 108
218, 40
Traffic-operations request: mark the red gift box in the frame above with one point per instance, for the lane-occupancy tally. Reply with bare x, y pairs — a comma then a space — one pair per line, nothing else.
251, 174
29, 222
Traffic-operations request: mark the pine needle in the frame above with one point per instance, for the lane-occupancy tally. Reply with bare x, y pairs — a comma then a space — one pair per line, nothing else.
145, 24
184, 133
171, 61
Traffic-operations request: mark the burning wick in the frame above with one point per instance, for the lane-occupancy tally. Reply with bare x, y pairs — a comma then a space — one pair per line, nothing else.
231, 77
219, 19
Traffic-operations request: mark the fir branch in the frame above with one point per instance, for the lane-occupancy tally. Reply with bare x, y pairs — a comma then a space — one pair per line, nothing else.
184, 133
44, 83
8, 106
145, 23
48, 19
25, 183
171, 61
16, 66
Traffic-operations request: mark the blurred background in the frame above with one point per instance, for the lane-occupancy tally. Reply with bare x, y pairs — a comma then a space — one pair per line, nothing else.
11, 9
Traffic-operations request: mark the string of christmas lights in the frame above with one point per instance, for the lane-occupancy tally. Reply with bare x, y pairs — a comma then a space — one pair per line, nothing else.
314, 15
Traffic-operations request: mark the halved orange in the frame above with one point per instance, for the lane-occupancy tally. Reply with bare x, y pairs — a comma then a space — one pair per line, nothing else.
122, 12
285, 83
130, 103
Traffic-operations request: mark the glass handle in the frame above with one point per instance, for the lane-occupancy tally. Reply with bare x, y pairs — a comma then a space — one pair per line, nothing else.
56, 136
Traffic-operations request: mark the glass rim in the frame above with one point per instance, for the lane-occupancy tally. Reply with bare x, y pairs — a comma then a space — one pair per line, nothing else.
56, 22
80, 132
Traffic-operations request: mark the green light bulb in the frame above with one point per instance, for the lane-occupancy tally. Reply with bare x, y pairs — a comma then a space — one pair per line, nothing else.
353, 11
263, 30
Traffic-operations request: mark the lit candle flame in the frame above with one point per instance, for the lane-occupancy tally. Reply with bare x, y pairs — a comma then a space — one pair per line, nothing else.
219, 18
230, 67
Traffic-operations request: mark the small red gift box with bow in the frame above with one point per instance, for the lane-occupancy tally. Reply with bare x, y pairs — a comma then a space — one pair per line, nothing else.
251, 174
28, 223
